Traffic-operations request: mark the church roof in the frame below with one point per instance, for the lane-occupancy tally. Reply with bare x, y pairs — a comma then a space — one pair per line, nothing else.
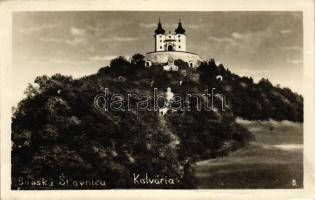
159, 29
180, 29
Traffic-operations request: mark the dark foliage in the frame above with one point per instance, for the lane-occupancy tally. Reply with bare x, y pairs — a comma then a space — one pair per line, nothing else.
253, 101
57, 131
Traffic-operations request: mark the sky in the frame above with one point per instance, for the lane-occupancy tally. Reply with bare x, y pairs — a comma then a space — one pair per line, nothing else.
258, 44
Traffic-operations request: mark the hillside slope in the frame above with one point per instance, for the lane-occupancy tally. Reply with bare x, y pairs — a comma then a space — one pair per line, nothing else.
56, 129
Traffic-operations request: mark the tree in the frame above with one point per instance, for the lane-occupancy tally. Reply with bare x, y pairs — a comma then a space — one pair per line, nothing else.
119, 66
138, 58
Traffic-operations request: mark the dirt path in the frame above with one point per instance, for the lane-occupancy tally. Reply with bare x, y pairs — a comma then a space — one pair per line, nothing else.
273, 160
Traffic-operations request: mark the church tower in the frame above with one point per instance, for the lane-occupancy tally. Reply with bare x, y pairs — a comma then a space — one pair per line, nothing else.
159, 37
170, 42
180, 37
170, 47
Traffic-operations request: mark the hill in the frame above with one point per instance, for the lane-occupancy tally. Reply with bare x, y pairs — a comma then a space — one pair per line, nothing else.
57, 132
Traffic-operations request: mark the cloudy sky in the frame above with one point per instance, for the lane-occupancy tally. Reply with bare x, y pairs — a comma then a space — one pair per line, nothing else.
257, 44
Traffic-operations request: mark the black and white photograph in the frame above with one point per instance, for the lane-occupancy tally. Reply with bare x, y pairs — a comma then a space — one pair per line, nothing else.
157, 99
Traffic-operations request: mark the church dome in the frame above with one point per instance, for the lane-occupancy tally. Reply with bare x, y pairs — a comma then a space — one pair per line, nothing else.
180, 29
159, 29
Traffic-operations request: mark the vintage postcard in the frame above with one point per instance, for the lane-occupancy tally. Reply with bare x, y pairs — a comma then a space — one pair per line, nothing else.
157, 99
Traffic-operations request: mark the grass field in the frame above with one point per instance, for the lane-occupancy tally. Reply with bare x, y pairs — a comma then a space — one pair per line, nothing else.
273, 160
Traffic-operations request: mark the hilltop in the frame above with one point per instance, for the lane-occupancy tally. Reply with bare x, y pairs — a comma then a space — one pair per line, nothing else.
57, 130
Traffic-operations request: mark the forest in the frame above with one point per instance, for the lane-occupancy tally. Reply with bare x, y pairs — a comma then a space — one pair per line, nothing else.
56, 129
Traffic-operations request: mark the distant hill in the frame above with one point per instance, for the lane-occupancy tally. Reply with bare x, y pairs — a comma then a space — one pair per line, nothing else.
57, 130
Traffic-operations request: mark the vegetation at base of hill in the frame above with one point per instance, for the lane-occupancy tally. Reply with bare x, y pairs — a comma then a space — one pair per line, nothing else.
56, 129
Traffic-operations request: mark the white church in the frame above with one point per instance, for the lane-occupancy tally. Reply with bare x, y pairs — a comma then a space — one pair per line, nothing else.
170, 47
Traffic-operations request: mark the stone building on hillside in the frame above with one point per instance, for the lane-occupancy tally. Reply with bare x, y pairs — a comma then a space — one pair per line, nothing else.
171, 46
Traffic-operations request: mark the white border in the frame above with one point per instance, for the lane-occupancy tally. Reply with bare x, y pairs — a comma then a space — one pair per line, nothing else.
306, 6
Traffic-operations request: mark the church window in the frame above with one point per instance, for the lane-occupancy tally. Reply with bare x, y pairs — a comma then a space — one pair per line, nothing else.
179, 36
160, 47
178, 40
179, 46
160, 40
169, 36
160, 36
